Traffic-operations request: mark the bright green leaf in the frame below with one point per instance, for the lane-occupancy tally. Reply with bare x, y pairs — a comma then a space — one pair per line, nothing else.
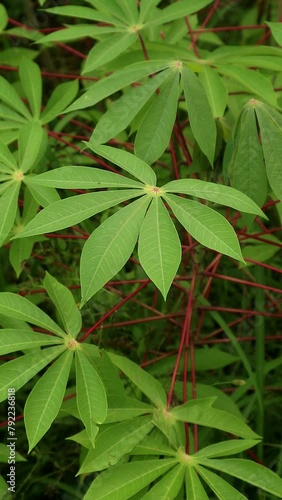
276, 30
221, 488
215, 90
225, 448
7, 158
8, 210
12, 340
82, 12
60, 98
31, 145
10, 97
176, 11
194, 487
124, 408
30, 77
3, 18
168, 486
108, 49
44, 196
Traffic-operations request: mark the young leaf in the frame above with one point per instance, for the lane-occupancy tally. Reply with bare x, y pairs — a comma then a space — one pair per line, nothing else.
107, 50
61, 97
19, 371
168, 486
30, 77
109, 247
90, 395
114, 441
159, 247
7, 158
200, 113
193, 486
143, 380
176, 11
252, 80
44, 402
32, 141
248, 471
123, 111
215, 90
206, 225
19, 307
8, 210
196, 413
127, 161
155, 130
71, 211
12, 340
226, 448
65, 304
221, 488
10, 97
113, 83
218, 193
83, 178
123, 481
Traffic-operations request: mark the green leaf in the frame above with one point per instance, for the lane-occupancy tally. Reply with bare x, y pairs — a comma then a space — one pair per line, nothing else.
270, 123
200, 113
107, 50
30, 77
146, 8
196, 412
60, 98
65, 304
19, 371
12, 340
127, 161
224, 448
218, 193
43, 403
82, 12
206, 225
31, 145
221, 488
77, 32
129, 8
276, 30
8, 210
3, 18
109, 247
113, 83
193, 486
169, 486
247, 170
159, 247
215, 90
176, 11
90, 395
20, 251
19, 307
155, 130
253, 81
154, 444
114, 441
123, 111
84, 178
124, 408
123, 481
11, 97
71, 211
248, 471
43, 195
7, 158
143, 380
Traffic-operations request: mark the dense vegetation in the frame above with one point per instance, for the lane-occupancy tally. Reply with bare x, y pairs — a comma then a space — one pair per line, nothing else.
140, 233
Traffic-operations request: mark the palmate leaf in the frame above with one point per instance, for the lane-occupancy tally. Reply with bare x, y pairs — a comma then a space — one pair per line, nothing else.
83, 13
19, 371
221, 488
74, 210
146, 8
77, 32
31, 81
10, 97
12, 340
123, 111
19, 307
177, 11
60, 98
8, 210
248, 471
206, 225
109, 247
218, 193
123, 481
159, 247
113, 83
155, 130
200, 113
114, 441
215, 90
20, 251
169, 486
90, 395
107, 50
130, 11
32, 145
65, 304
193, 486
127, 161
7, 158
44, 402
225, 448
124, 408
44, 196
154, 444
143, 380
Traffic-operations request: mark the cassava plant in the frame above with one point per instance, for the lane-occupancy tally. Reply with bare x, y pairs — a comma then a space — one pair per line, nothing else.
165, 169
